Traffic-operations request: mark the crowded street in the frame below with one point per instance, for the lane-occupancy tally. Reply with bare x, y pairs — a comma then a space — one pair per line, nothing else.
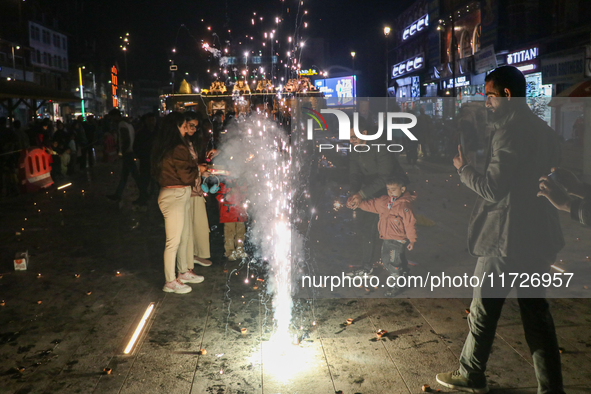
295, 197
95, 267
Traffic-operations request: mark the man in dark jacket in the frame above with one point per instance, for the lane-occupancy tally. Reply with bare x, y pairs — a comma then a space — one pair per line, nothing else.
125, 137
368, 172
511, 231
142, 147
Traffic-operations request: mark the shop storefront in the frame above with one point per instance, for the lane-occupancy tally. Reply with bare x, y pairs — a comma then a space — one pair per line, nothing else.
561, 71
408, 57
538, 94
406, 77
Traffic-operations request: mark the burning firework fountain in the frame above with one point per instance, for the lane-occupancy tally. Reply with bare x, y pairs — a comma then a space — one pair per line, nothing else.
258, 154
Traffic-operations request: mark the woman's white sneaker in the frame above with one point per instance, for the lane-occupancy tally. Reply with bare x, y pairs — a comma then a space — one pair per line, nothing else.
176, 286
190, 277
201, 262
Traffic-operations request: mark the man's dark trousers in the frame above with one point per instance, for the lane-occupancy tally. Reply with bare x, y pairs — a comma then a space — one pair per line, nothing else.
538, 324
127, 167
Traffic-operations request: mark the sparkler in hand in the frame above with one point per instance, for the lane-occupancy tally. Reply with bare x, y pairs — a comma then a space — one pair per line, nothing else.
337, 205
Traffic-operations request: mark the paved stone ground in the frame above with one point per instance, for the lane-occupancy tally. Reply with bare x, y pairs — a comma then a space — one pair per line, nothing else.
100, 266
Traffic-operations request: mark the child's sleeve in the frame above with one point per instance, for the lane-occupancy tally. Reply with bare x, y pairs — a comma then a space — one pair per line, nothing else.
369, 205
409, 221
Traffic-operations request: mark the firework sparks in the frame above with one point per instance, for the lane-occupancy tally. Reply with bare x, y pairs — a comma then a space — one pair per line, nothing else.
267, 177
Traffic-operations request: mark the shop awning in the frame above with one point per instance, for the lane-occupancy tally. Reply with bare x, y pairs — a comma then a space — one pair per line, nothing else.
580, 89
28, 90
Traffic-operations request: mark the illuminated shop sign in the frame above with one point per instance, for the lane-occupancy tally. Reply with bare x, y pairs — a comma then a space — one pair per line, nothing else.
525, 55
416, 27
309, 71
114, 85
464, 80
408, 66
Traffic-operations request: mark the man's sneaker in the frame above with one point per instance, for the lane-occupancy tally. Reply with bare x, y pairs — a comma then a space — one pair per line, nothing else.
190, 277
360, 272
454, 380
232, 256
176, 286
201, 262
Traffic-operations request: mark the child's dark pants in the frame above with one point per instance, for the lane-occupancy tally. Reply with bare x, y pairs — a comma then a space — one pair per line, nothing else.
394, 257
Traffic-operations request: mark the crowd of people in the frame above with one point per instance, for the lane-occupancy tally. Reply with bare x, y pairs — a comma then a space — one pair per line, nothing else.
512, 229
173, 155
72, 146
176, 156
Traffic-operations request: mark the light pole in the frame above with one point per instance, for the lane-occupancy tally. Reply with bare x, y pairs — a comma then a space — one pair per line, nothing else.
80, 68
14, 61
353, 61
246, 68
124, 45
387, 34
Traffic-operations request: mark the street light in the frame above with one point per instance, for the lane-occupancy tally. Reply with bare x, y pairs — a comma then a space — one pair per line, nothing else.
353, 61
387, 34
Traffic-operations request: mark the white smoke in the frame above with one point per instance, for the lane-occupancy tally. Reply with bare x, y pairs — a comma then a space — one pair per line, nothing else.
257, 153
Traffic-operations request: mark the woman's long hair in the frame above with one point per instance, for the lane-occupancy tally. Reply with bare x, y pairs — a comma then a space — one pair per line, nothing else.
197, 139
167, 138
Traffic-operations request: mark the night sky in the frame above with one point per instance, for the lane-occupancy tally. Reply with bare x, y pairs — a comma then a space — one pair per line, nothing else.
155, 28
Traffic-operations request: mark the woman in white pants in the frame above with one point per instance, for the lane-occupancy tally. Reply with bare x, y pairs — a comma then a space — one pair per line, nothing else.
198, 214
176, 172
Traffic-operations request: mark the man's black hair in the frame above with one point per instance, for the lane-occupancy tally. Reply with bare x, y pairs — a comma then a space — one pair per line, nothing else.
507, 77
397, 179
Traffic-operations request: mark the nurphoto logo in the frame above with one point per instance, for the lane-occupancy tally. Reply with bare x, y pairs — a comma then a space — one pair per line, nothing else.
345, 129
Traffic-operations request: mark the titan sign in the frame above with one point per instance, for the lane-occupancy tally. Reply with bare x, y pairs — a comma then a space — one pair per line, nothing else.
408, 66
416, 27
522, 56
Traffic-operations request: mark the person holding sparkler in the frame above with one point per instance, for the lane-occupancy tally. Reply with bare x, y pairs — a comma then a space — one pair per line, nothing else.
176, 171
368, 172
396, 224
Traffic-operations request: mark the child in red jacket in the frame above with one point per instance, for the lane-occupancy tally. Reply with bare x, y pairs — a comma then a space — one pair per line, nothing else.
233, 215
396, 225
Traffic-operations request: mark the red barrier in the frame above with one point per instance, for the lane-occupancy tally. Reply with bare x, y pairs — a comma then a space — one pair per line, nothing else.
34, 170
